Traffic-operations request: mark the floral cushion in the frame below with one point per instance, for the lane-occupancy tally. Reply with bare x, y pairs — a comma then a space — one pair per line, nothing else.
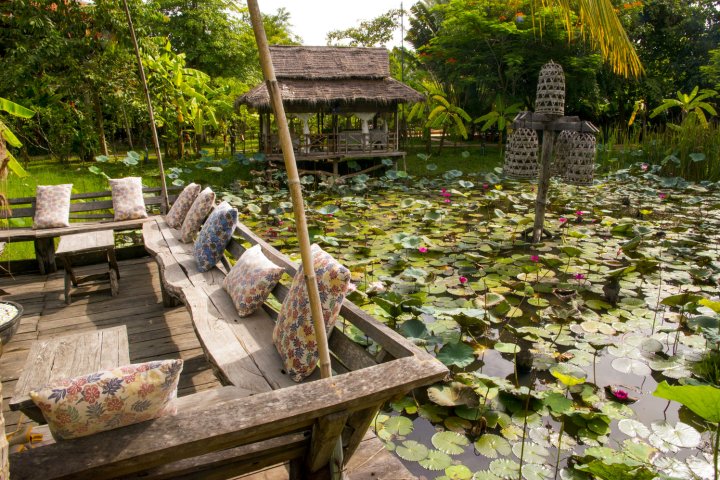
109, 399
294, 335
251, 280
52, 206
127, 198
197, 214
180, 208
214, 236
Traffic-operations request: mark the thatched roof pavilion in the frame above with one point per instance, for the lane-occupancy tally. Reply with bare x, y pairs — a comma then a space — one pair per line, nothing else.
332, 80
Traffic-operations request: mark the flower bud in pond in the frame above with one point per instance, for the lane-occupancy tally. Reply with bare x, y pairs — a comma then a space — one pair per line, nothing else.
463, 280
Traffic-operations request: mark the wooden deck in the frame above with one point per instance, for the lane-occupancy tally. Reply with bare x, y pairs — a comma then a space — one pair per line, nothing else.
154, 333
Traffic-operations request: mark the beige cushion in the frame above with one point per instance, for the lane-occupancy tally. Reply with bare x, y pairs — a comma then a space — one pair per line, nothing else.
180, 208
109, 399
127, 198
197, 214
52, 206
251, 280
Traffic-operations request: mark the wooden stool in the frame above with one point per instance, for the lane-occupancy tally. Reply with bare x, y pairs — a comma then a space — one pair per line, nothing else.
73, 246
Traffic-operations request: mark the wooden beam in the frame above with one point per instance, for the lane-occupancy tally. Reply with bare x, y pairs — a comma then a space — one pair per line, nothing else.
325, 435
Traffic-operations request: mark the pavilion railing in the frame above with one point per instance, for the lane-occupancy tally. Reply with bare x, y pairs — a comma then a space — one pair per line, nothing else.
346, 142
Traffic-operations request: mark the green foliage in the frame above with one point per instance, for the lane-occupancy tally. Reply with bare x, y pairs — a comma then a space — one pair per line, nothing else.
694, 107
704, 400
370, 33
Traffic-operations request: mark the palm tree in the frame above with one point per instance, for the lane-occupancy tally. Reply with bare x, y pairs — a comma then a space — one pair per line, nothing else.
691, 105
600, 24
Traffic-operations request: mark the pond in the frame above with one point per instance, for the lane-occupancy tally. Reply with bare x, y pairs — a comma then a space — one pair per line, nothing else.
558, 344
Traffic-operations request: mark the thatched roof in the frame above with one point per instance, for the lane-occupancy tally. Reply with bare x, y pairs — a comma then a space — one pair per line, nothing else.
331, 78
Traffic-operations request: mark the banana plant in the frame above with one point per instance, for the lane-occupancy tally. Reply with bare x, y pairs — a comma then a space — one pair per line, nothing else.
7, 137
447, 116
501, 116
692, 105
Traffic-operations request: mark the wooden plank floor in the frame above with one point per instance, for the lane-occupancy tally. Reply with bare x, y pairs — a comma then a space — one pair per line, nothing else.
154, 332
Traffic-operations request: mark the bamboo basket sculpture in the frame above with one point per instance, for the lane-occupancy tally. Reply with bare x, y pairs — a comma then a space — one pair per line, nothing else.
550, 97
521, 155
563, 145
580, 166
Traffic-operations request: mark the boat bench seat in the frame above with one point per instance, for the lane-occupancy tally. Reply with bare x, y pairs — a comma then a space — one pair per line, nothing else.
266, 418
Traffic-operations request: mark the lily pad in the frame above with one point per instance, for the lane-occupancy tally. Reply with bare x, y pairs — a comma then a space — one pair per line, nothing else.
412, 451
450, 442
436, 461
399, 425
493, 446
631, 365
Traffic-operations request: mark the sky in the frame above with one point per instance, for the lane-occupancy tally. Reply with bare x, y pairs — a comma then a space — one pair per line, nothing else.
312, 19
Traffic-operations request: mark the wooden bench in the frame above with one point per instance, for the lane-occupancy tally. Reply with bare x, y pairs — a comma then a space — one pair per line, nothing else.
265, 418
89, 212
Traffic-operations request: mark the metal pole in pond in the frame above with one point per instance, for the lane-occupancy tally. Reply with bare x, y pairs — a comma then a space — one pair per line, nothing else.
165, 202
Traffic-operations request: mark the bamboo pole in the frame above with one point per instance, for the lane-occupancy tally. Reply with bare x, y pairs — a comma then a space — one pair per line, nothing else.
293, 185
165, 202
336, 460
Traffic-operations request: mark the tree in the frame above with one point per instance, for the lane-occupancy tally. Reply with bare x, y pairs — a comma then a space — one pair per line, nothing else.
7, 137
500, 116
692, 106
448, 116
369, 33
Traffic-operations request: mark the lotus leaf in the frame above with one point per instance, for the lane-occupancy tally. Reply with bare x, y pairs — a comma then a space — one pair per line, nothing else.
450, 442
504, 468
436, 460
458, 354
412, 451
493, 446
399, 425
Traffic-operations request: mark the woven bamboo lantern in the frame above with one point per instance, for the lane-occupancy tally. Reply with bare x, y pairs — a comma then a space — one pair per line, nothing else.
563, 144
550, 97
521, 155
580, 161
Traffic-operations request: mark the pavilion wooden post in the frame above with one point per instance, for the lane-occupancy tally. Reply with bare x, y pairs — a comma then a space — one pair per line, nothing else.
163, 186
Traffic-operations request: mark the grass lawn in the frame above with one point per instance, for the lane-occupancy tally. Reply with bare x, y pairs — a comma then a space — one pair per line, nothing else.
45, 171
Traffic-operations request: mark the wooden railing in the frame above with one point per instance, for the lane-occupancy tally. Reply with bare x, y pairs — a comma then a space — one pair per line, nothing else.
347, 142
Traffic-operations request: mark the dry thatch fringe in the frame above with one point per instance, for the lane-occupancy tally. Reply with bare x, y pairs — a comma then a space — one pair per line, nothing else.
333, 94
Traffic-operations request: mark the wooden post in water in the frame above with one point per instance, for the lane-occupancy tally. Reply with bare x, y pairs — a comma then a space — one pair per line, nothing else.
548, 142
550, 119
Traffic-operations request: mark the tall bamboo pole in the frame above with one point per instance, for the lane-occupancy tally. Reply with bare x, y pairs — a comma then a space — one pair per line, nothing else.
293, 185
548, 143
165, 202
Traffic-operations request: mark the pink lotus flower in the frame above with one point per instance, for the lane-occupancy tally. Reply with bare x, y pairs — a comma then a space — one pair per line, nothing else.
644, 167
447, 200
662, 195
534, 258
620, 394
486, 186
443, 190
579, 213
422, 249
463, 280
562, 219
579, 276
